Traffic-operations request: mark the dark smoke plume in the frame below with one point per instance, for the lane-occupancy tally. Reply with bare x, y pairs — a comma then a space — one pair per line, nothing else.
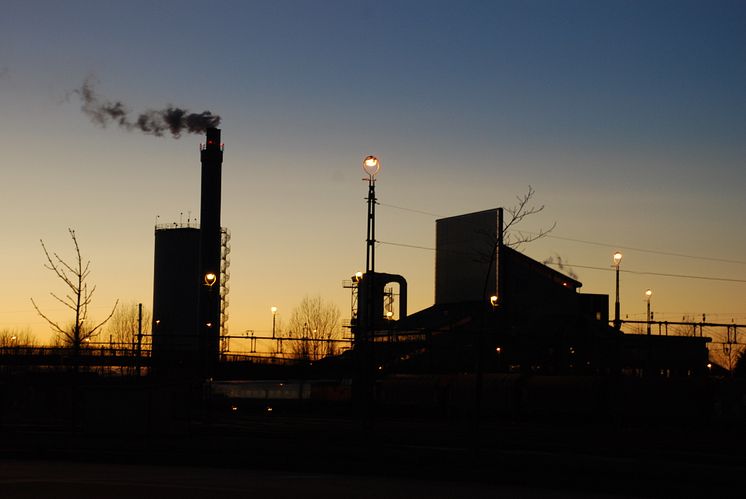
171, 119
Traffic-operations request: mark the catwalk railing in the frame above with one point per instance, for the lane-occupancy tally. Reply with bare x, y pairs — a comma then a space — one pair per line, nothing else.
726, 343
720, 332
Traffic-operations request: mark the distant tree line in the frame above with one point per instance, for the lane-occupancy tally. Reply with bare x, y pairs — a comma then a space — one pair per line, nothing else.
17, 338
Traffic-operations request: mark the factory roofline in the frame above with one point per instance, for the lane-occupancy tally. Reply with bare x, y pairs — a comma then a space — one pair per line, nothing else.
177, 225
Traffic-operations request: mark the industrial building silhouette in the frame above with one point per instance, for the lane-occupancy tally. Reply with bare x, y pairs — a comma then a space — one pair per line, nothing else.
498, 315
500, 311
495, 308
190, 277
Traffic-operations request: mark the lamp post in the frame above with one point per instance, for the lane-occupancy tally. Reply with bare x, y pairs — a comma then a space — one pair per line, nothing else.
274, 316
617, 320
365, 331
648, 294
210, 280
371, 166
209, 339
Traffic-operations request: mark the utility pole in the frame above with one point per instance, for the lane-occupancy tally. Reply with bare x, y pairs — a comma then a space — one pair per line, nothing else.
139, 336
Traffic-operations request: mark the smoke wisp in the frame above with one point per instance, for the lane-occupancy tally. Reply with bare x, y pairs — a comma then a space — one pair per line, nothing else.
171, 119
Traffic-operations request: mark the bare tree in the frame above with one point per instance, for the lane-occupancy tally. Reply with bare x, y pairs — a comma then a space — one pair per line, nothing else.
513, 216
740, 368
77, 299
512, 238
124, 326
726, 354
518, 213
314, 325
685, 330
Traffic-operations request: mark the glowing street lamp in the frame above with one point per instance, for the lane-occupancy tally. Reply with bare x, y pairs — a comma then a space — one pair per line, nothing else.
274, 317
493, 301
210, 279
648, 294
371, 166
617, 320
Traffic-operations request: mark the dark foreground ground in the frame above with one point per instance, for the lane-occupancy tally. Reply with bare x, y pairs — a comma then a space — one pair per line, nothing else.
304, 455
63, 480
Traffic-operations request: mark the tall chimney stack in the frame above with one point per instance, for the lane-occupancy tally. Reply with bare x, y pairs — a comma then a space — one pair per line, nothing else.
212, 161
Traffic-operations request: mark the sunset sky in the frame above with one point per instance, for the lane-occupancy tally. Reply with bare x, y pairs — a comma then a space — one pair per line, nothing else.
627, 118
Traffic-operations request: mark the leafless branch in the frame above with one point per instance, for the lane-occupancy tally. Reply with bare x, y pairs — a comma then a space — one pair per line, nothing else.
68, 305
517, 214
53, 324
92, 331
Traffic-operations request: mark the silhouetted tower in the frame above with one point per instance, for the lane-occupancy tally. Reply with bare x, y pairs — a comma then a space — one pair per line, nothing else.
176, 296
210, 250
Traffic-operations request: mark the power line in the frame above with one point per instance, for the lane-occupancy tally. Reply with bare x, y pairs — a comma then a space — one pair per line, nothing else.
406, 245
631, 248
566, 264
640, 272
410, 209
596, 243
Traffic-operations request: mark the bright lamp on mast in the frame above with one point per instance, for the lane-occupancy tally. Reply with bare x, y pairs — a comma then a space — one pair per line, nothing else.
371, 166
